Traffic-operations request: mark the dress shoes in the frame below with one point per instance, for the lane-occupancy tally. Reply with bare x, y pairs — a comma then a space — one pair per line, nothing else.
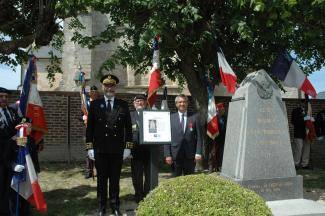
116, 212
101, 212
307, 167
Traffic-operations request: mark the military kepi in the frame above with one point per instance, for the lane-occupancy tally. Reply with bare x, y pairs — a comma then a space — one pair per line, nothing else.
109, 79
140, 96
4, 90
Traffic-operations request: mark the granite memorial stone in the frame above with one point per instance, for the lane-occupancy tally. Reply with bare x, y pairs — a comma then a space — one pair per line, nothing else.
257, 151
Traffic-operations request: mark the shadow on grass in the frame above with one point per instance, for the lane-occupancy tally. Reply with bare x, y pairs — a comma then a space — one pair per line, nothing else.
313, 178
72, 201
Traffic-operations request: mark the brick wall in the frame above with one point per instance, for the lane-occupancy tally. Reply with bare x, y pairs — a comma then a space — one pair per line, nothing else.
65, 139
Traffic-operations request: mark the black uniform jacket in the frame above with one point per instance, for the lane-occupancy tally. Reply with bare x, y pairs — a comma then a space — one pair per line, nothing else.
297, 119
190, 141
108, 131
138, 151
6, 134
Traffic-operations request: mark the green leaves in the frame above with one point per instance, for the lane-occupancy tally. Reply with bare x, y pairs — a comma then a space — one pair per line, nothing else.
202, 195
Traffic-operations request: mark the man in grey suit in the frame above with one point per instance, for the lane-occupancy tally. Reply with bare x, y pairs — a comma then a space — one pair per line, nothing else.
186, 139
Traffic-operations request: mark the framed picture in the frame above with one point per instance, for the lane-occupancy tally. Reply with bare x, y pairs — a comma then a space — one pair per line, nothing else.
154, 127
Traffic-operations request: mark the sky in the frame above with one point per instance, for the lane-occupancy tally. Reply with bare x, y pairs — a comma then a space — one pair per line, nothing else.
10, 79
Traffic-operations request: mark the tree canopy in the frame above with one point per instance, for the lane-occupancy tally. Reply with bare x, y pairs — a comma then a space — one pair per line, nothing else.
251, 33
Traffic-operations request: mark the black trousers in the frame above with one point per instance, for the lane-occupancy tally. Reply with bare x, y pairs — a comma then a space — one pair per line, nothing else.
24, 207
89, 169
184, 166
4, 189
140, 167
108, 169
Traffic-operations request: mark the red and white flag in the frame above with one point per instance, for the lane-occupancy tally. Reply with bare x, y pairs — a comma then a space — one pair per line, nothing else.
155, 76
228, 77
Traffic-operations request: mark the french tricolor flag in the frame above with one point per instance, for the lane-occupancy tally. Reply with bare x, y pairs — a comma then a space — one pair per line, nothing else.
212, 119
155, 76
288, 71
26, 183
30, 103
228, 77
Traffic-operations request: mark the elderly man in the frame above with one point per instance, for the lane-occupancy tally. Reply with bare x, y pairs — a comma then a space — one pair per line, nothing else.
186, 139
140, 154
108, 133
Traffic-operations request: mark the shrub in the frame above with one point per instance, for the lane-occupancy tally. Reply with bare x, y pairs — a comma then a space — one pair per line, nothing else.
202, 195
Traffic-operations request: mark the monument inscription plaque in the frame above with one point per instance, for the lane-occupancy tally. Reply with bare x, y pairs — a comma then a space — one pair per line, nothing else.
257, 151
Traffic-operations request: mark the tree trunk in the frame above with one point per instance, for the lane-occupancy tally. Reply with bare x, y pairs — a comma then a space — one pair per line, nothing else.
197, 86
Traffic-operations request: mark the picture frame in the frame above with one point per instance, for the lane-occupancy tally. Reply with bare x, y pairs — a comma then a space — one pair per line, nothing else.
154, 127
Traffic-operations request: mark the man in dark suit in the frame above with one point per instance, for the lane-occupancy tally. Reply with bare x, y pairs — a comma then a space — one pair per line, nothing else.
140, 162
8, 120
108, 133
186, 139
301, 148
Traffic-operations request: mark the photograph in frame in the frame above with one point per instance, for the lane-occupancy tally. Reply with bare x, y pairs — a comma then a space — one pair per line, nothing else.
155, 127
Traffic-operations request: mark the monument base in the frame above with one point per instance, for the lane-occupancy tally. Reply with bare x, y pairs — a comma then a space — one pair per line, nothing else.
274, 188
295, 207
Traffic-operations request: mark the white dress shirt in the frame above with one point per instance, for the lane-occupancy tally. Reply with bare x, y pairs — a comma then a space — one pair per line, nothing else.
111, 101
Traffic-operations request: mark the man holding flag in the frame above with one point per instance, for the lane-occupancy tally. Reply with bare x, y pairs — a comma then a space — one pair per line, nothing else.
8, 120
24, 180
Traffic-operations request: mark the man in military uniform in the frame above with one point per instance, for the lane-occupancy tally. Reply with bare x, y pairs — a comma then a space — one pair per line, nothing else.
109, 132
8, 120
90, 164
140, 162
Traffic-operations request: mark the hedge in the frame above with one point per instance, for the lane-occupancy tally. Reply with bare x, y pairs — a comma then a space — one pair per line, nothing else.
202, 195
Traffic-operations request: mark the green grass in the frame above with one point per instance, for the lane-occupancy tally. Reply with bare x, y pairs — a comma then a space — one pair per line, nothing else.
68, 193
313, 179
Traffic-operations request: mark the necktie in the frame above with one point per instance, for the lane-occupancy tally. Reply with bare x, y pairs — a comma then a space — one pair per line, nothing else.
9, 122
182, 122
108, 106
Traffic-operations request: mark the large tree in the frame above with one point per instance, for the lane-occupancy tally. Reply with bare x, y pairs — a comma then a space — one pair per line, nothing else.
23, 22
251, 34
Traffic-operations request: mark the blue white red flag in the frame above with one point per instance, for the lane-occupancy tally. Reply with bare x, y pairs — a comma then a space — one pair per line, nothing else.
26, 182
228, 77
30, 103
85, 104
155, 76
287, 70
212, 119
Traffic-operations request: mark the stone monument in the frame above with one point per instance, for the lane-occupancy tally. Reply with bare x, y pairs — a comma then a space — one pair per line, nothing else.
257, 151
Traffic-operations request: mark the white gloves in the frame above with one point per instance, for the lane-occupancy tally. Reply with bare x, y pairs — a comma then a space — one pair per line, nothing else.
19, 168
126, 154
91, 154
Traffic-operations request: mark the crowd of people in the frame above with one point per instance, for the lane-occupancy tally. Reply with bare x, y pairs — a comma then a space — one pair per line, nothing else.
113, 135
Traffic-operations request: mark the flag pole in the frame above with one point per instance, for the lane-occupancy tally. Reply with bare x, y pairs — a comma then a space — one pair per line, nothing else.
17, 196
